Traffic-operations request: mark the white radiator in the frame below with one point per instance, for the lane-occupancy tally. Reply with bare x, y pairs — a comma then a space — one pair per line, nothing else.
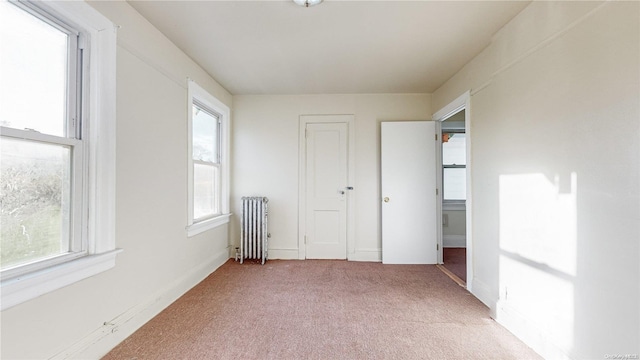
253, 230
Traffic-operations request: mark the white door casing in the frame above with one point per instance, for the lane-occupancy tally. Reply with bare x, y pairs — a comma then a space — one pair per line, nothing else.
408, 180
324, 190
462, 102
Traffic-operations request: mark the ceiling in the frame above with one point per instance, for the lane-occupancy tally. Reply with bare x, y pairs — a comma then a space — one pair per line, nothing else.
337, 47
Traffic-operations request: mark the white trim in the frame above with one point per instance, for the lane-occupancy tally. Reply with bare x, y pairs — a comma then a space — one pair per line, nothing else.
351, 194
208, 224
99, 117
368, 255
20, 289
40, 264
461, 102
102, 135
439, 196
452, 108
283, 254
39, 137
454, 241
349, 119
527, 331
99, 113
469, 200
302, 188
195, 91
454, 206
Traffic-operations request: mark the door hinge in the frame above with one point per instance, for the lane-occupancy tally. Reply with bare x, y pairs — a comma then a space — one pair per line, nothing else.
436, 137
436, 191
305, 239
437, 246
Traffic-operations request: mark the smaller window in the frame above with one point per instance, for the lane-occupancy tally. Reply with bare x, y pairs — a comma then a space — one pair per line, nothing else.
208, 161
454, 161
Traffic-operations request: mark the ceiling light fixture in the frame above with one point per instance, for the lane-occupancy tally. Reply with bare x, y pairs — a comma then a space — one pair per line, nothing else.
307, 3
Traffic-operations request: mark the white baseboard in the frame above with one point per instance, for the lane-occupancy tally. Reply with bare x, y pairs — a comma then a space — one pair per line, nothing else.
528, 332
283, 254
111, 333
483, 292
454, 241
513, 321
370, 255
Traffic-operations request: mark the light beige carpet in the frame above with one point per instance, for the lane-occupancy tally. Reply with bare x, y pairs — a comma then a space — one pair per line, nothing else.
317, 309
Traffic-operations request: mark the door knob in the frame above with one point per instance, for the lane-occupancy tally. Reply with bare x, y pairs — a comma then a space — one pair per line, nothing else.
386, 199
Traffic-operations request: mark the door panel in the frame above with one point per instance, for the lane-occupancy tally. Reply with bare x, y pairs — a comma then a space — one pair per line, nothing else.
326, 180
408, 175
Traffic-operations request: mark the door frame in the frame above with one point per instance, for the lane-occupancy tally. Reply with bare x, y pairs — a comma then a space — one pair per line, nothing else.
462, 102
350, 197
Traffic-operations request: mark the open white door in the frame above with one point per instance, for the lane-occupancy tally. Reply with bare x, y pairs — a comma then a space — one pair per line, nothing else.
409, 199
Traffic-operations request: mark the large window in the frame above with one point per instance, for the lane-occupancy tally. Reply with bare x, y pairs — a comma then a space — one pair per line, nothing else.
42, 156
208, 154
55, 169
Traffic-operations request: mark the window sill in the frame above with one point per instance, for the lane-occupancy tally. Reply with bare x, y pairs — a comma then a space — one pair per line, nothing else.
208, 224
29, 286
454, 205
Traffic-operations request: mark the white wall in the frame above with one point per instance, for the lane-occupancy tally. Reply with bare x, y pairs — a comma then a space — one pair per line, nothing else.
159, 262
265, 159
555, 136
454, 231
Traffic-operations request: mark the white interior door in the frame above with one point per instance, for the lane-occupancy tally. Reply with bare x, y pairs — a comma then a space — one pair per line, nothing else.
326, 187
409, 199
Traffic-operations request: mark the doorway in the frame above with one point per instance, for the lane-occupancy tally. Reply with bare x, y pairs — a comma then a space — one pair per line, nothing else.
325, 186
454, 189
455, 205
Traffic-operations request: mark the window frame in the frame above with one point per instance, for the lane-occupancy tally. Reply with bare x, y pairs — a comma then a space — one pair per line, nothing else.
93, 214
77, 239
215, 163
72, 138
202, 98
452, 204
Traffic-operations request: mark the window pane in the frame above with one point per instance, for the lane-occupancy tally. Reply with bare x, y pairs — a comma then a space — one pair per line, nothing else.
205, 135
205, 194
35, 196
33, 69
454, 183
454, 150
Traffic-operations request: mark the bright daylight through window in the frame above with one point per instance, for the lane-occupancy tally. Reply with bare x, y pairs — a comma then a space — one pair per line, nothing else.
42, 146
454, 160
206, 162
208, 159
57, 142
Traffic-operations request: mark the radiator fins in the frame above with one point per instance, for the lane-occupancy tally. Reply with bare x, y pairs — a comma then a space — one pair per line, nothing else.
253, 230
